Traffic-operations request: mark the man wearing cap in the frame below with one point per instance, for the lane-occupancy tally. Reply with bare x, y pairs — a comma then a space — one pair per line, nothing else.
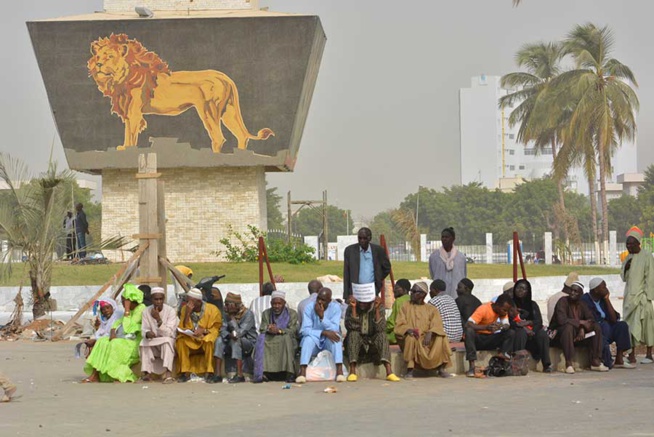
321, 330
565, 291
576, 326
158, 329
366, 337
448, 310
274, 353
201, 322
364, 263
638, 275
466, 301
613, 329
420, 328
237, 338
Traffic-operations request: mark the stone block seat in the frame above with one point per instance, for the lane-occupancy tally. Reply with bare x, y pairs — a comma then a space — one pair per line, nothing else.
459, 364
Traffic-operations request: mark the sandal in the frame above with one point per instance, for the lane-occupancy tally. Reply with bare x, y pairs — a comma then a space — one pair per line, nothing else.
88, 380
168, 380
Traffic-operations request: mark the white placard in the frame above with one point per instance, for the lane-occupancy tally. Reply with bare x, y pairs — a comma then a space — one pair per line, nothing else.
364, 292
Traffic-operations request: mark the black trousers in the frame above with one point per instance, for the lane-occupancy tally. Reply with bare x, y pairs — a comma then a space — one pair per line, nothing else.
486, 342
538, 345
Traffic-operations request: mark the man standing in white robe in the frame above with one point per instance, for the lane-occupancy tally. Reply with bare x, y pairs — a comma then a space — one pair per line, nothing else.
448, 264
159, 328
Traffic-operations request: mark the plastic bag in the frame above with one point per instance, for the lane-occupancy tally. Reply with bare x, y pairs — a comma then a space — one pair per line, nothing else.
322, 368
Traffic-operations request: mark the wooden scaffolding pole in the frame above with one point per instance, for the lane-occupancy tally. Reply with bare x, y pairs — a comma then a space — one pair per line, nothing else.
263, 256
517, 257
149, 217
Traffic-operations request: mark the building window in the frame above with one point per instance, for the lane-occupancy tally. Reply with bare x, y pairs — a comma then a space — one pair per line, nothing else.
512, 167
511, 136
522, 167
511, 152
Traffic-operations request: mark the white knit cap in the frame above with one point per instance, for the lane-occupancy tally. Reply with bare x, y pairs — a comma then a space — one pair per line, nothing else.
157, 290
595, 282
279, 294
194, 293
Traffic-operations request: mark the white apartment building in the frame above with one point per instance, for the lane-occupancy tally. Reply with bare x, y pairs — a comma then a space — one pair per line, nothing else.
492, 155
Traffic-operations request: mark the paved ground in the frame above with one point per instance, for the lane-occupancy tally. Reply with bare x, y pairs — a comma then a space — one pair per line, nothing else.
53, 403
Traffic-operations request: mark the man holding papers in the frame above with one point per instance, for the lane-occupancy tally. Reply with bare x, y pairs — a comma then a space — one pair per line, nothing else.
364, 263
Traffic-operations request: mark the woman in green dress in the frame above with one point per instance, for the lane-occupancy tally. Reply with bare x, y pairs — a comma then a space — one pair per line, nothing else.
112, 357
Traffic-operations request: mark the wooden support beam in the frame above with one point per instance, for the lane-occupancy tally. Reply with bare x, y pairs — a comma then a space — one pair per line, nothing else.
161, 224
184, 281
147, 236
263, 257
147, 280
69, 325
148, 216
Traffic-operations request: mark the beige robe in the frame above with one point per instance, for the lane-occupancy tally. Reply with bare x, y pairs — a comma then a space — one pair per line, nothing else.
158, 354
425, 318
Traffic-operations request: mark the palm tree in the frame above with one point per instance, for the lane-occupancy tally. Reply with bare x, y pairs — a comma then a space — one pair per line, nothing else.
30, 221
601, 101
532, 113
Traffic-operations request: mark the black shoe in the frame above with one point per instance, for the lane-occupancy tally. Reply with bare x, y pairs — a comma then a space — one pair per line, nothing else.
184, 378
236, 379
214, 379
548, 369
290, 378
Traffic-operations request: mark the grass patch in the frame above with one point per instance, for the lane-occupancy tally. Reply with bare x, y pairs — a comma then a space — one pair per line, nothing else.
65, 274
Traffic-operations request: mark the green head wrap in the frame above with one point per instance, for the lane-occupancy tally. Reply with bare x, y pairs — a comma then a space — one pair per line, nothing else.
131, 292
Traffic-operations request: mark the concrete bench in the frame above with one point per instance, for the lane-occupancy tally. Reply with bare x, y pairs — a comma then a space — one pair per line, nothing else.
459, 364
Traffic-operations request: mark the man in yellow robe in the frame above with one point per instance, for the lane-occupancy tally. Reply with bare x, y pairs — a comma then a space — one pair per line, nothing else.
201, 322
420, 328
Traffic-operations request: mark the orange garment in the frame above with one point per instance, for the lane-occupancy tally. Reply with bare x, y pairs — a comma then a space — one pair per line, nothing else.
484, 315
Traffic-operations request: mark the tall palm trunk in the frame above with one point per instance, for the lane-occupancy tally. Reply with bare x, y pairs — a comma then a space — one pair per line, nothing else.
605, 207
593, 216
559, 187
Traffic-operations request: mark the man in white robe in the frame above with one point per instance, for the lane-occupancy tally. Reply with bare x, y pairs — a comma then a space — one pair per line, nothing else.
159, 328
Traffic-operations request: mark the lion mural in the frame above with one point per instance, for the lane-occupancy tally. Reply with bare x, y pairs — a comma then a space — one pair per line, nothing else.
139, 83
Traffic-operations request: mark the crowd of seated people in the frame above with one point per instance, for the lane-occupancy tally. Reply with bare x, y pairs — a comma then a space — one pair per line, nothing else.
273, 342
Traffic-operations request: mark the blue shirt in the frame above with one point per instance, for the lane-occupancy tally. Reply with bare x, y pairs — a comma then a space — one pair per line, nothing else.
366, 266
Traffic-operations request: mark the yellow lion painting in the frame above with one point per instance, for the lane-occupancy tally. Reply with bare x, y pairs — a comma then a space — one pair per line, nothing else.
139, 83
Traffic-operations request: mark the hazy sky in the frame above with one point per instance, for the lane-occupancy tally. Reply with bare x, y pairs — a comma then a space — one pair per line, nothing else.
385, 115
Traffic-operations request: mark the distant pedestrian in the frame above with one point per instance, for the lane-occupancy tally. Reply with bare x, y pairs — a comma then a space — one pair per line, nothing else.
81, 230
69, 227
447, 263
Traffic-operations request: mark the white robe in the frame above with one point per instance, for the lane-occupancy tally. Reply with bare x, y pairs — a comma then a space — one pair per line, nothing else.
158, 354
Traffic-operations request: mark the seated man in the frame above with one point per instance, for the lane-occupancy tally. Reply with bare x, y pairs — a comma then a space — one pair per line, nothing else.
420, 328
613, 329
202, 321
321, 330
488, 329
573, 321
237, 338
366, 337
158, 329
446, 306
274, 353
565, 291
465, 300
401, 294
313, 287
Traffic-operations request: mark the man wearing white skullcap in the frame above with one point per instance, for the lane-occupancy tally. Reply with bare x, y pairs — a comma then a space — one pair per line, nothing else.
274, 352
613, 329
201, 322
159, 328
553, 299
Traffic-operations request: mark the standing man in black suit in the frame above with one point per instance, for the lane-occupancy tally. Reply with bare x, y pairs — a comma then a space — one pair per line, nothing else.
364, 263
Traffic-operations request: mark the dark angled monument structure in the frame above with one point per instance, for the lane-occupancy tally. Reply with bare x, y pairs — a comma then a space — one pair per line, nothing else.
218, 89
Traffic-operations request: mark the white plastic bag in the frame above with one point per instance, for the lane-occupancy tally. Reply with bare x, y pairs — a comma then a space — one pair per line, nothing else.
322, 368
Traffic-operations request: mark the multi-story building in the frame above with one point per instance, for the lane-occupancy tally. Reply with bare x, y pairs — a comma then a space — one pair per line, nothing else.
492, 155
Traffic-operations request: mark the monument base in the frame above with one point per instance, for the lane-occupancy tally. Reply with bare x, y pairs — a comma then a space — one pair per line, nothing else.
201, 205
